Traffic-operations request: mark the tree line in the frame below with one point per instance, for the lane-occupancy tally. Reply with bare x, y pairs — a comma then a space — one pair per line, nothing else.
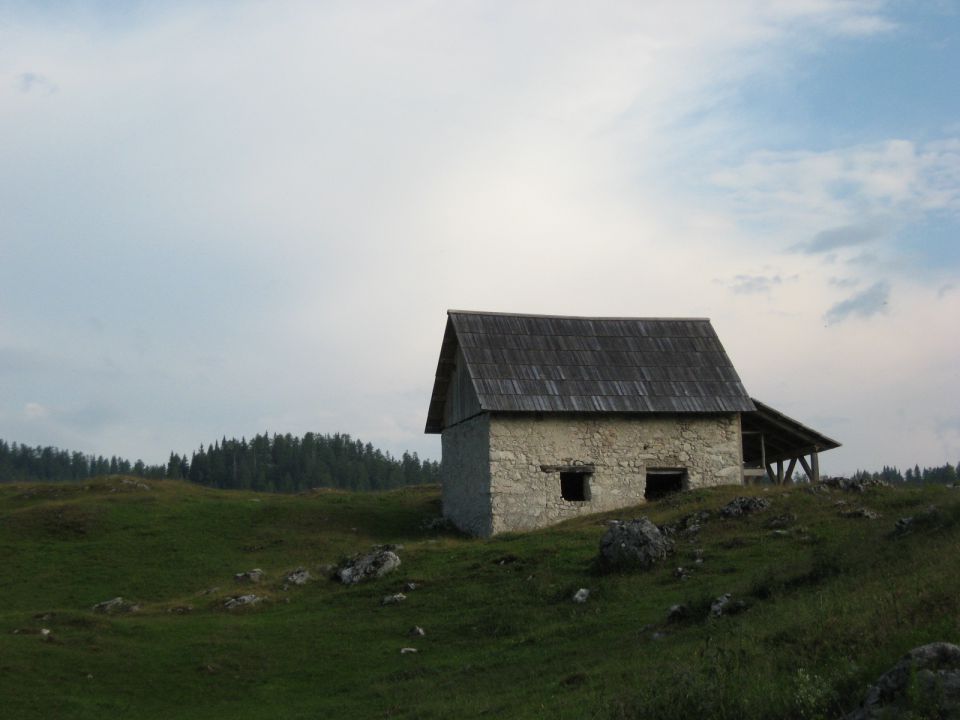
942, 475
277, 463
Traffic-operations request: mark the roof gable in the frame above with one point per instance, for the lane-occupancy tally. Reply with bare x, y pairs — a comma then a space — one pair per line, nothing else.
542, 363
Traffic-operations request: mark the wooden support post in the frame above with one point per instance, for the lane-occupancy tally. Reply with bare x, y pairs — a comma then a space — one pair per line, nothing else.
763, 452
779, 472
790, 467
815, 461
806, 468
770, 473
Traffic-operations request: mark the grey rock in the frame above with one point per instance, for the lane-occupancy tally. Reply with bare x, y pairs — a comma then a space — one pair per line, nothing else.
581, 595
408, 651
300, 576
928, 518
410, 586
239, 601
744, 506
417, 631
250, 576
726, 605
924, 683
850, 485
781, 521
367, 566
114, 606
394, 599
860, 512
634, 544
677, 613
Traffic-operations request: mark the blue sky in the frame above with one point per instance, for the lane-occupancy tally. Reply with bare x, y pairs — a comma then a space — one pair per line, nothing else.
220, 219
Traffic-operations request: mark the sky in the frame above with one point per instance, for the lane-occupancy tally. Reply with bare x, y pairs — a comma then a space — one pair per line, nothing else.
219, 219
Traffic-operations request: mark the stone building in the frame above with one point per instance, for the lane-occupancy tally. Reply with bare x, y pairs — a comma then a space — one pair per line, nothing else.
543, 418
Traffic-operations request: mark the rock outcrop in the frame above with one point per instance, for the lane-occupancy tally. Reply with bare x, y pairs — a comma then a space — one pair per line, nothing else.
637, 543
367, 566
924, 683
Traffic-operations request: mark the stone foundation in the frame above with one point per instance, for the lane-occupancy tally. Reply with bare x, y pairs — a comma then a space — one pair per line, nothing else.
493, 479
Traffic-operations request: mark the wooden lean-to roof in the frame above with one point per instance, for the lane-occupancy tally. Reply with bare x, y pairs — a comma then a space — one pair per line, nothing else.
772, 436
553, 364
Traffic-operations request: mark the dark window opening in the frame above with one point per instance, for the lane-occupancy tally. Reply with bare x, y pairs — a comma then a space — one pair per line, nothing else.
574, 486
664, 482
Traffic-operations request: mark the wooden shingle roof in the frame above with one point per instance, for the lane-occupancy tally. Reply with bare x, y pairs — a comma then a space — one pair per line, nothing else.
548, 364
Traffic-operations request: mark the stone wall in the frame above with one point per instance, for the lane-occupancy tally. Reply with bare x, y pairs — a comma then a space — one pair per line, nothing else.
522, 496
465, 474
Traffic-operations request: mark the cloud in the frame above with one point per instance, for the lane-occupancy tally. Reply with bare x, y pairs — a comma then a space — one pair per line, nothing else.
35, 411
945, 288
843, 282
865, 304
752, 284
32, 82
845, 236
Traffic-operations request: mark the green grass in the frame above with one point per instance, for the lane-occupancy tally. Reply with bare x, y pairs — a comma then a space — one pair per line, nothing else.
831, 604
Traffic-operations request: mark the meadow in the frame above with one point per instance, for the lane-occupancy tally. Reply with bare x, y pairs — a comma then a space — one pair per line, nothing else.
830, 603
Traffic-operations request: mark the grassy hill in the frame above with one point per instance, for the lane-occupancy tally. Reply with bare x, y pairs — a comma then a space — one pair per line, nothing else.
831, 602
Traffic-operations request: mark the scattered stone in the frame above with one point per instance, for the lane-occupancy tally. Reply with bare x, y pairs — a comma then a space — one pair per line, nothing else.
779, 533
859, 485
688, 524
327, 570
300, 576
698, 556
238, 601
677, 613
114, 606
634, 544
410, 586
367, 566
860, 512
417, 631
45, 632
781, 521
209, 591
681, 573
181, 609
581, 595
506, 560
135, 483
250, 576
394, 599
408, 651
744, 506
924, 683
927, 518
726, 605
658, 635
817, 489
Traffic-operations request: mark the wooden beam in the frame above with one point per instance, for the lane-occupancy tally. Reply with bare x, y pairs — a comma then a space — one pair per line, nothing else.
789, 476
779, 472
806, 468
771, 473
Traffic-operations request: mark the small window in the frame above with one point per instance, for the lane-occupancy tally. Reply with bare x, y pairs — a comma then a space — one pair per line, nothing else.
575, 486
661, 482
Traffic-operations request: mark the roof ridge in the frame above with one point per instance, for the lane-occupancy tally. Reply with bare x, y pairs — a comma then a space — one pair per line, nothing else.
572, 317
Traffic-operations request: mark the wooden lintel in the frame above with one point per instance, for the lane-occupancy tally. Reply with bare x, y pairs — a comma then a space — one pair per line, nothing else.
568, 468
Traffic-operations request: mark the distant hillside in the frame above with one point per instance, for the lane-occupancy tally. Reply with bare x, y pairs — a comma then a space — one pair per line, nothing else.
278, 463
831, 590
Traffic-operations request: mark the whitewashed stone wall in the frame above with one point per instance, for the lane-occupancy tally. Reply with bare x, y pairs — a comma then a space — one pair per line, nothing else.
465, 475
522, 496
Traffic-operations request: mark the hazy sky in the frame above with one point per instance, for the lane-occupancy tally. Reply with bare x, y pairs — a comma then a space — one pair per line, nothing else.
227, 218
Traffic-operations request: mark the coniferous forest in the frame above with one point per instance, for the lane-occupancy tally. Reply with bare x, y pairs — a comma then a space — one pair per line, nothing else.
277, 463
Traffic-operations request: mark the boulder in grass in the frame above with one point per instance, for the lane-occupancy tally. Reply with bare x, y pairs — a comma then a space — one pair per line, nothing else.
239, 601
300, 576
924, 683
367, 566
637, 543
250, 576
115, 606
744, 506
